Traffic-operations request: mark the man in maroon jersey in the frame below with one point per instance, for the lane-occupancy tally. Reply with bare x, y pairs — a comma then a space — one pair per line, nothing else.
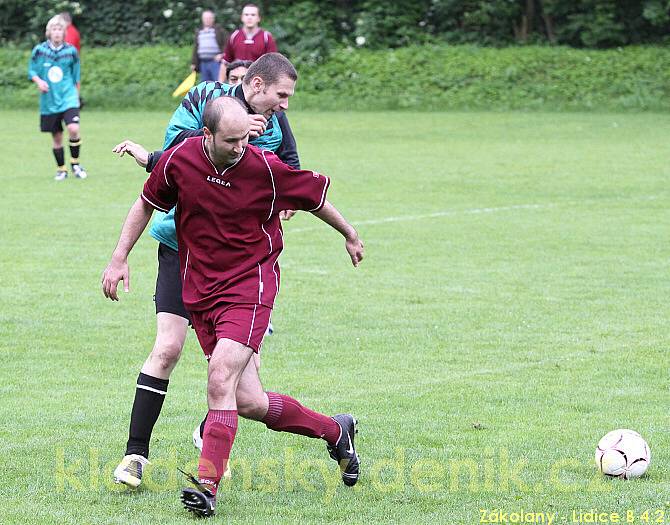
228, 196
250, 41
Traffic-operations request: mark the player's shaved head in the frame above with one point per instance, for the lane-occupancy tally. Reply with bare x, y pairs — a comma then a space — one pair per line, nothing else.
223, 112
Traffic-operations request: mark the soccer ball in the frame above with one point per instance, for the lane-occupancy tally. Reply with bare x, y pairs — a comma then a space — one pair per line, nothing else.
623, 454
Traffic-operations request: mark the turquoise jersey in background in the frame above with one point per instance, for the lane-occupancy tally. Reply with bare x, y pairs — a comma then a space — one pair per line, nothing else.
58, 67
188, 116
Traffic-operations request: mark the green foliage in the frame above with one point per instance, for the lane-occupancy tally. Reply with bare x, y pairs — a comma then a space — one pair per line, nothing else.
309, 29
425, 77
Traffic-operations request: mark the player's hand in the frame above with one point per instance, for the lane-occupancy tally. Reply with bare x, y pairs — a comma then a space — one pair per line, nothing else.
192, 67
42, 86
116, 271
257, 125
219, 57
285, 215
355, 249
136, 151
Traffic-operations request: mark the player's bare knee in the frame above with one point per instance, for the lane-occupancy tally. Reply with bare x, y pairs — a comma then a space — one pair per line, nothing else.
73, 131
221, 384
166, 354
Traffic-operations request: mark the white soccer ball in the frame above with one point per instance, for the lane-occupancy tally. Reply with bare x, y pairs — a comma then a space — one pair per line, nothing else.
623, 454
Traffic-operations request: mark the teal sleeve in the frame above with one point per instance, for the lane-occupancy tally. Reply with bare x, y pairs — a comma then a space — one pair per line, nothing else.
33, 65
76, 69
186, 116
163, 229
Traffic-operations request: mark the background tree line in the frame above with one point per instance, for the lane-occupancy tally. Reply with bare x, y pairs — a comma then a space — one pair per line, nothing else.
310, 29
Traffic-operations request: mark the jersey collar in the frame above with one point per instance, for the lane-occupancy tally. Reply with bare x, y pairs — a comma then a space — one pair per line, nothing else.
238, 92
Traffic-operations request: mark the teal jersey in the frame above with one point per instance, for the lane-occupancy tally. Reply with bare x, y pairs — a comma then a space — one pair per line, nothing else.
60, 69
188, 117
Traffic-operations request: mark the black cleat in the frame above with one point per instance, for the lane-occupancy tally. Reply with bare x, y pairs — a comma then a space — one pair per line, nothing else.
200, 500
344, 452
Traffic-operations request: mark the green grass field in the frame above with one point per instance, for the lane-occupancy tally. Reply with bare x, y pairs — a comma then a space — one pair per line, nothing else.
512, 309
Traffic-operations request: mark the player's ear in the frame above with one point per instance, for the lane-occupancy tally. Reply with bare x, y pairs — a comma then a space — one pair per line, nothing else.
257, 84
206, 132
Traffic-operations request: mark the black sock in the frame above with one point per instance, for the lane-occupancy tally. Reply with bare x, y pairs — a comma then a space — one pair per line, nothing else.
202, 426
75, 145
59, 154
149, 397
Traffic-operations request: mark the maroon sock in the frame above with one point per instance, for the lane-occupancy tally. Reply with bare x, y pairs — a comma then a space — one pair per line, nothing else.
285, 414
217, 440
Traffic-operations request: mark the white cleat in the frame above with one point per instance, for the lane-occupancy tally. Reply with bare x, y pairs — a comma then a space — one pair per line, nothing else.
79, 172
61, 175
129, 471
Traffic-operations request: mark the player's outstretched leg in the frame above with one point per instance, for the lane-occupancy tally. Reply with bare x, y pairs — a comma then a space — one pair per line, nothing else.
344, 451
285, 414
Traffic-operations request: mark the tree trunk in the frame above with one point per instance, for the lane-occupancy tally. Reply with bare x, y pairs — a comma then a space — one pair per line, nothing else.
548, 23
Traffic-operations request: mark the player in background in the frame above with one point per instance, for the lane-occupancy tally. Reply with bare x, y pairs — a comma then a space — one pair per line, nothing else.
54, 68
233, 73
73, 38
250, 41
72, 35
268, 84
229, 195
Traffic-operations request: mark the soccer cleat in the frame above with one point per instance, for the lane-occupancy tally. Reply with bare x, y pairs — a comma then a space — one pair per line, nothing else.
343, 451
197, 443
197, 438
79, 172
129, 471
61, 175
199, 500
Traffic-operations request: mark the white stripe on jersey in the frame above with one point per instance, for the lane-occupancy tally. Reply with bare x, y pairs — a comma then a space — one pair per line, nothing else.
274, 190
253, 320
168, 162
323, 193
154, 204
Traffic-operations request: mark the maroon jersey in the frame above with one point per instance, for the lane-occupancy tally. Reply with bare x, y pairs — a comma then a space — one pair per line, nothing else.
239, 47
228, 227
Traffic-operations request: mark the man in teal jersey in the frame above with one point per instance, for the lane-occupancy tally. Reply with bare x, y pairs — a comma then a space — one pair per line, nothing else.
54, 68
268, 84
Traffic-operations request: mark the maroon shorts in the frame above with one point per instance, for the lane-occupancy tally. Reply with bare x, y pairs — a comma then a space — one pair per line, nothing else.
244, 323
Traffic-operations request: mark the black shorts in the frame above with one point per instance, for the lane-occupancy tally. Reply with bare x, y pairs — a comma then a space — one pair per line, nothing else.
168, 283
52, 123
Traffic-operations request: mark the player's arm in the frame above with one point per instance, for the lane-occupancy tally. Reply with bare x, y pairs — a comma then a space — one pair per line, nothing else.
187, 118
306, 190
353, 244
157, 193
33, 68
143, 158
76, 70
117, 269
